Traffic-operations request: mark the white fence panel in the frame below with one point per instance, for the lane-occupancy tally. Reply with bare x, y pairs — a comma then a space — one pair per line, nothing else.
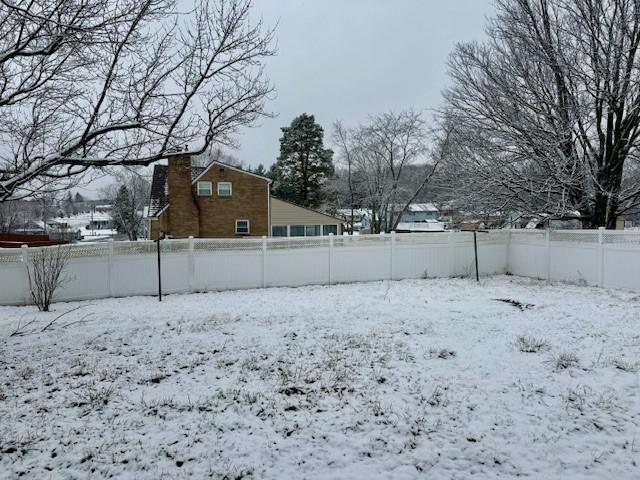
595, 257
621, 259
362, 264
226, 270
527, 255
136, 274
13, 283
88, 277
296, 267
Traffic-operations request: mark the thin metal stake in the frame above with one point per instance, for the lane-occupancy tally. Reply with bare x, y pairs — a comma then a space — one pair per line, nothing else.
475, 249
159, 272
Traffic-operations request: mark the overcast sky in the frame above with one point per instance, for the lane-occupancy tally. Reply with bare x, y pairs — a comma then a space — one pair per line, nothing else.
347, 59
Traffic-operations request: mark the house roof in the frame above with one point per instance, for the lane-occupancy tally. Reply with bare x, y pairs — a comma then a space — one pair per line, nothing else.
418, 207
338, 219
159, 198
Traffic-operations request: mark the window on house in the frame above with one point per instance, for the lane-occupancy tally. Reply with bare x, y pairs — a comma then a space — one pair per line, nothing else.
204, 189
313, 230
297, 230
328, 229
242, 226
278, 230
224, 189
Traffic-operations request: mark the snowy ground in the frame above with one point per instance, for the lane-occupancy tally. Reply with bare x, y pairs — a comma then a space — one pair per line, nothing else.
381, 380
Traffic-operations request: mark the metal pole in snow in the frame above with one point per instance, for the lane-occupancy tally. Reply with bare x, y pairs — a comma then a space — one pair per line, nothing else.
475, 250
159, 270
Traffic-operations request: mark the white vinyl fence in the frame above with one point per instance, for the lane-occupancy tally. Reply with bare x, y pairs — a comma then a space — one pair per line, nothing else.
115, 269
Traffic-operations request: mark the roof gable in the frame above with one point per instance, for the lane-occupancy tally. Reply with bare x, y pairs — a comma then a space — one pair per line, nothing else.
159, 198
203, 170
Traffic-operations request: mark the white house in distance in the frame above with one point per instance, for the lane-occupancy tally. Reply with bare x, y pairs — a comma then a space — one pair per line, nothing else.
95, 225
418, 217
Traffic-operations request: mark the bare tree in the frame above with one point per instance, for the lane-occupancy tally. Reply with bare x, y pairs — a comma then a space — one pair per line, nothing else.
380, 152
9, 216
217, 154
44, 271
342, 138
546, 111
104, 82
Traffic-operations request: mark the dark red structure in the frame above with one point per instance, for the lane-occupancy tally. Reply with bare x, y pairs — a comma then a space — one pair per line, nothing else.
14, 240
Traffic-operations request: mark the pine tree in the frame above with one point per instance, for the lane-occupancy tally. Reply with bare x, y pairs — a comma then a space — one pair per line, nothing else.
123, 213
304, 165
260, 170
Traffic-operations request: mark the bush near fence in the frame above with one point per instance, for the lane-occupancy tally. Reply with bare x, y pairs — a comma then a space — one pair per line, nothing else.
114, 269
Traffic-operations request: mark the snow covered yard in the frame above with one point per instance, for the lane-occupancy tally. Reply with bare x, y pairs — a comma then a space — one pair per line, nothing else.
440, 378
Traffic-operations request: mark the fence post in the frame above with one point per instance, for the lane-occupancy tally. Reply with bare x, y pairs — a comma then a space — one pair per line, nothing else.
601, 256
330, 258
110, 267
547, 239
192, 264
25, 262
393, 254
264, 261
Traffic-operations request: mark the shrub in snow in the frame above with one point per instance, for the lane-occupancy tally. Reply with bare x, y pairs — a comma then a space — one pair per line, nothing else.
566, 360
528, 344
44, 272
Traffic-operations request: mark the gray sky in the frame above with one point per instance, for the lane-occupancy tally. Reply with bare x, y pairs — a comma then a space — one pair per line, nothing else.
347, 59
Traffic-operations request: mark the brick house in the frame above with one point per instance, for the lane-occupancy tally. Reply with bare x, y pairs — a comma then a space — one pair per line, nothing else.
223, 201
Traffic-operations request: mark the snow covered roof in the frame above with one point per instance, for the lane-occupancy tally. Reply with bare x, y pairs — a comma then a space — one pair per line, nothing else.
417, 207
430, 226
81, 219
422, 207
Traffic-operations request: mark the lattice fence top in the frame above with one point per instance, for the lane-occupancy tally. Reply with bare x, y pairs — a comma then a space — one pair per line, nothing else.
10, 255
203, 245
622, 237
580, 236
527, 235
226, 244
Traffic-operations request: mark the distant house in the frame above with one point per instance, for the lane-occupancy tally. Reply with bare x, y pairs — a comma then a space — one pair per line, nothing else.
418, 212
361, 218
223, 201
82, 226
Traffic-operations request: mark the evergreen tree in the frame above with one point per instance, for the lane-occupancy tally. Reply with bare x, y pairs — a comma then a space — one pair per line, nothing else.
124, 213
304, 165
260, 170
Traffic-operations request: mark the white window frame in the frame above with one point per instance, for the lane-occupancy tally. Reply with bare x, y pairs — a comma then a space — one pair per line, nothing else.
200, 192
230, 189
248, 226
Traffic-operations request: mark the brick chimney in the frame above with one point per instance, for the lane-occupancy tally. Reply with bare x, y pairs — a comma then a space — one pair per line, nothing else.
183, 211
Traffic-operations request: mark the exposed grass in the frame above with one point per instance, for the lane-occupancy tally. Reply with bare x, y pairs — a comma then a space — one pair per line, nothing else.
442, 353
565, 360
625, 365
528, 344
